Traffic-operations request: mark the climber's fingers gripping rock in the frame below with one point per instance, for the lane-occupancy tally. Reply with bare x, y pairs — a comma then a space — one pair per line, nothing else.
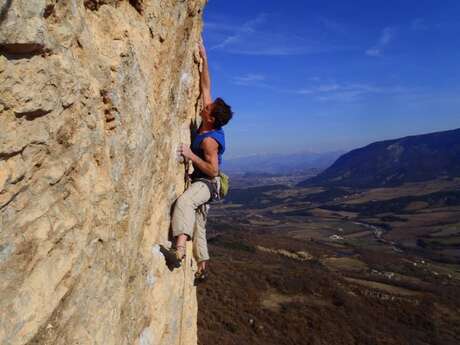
185, 151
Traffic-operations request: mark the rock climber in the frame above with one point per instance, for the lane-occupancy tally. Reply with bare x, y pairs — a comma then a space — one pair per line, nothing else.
208, 145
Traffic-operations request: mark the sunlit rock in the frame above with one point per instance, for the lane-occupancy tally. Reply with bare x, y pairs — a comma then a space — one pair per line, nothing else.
96, 96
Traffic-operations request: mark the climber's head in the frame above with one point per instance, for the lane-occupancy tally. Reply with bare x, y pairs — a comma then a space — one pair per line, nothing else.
218, 113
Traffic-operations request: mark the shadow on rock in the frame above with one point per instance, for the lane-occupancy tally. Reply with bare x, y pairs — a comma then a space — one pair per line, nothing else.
170, 257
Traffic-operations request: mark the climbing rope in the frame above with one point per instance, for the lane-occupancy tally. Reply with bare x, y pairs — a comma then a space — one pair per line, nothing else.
187, 179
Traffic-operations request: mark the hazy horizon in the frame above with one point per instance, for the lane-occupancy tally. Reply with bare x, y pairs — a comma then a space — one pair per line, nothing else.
308, 151
322, 77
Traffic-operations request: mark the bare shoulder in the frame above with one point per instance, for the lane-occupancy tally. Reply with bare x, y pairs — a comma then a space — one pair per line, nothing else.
209, 144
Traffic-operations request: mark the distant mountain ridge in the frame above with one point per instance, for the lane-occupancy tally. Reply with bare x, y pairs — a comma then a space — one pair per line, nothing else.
281, 163
394, 162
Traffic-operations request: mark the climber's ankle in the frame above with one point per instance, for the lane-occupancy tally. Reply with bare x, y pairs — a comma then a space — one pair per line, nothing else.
181, 240
202, 266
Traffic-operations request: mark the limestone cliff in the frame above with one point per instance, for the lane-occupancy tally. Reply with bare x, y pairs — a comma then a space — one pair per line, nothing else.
95, 96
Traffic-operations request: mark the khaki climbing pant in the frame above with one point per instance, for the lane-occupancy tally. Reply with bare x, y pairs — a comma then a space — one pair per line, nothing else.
189, 217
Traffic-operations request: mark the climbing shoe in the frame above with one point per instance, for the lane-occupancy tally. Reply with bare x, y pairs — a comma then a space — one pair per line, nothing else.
201, 277
174, 256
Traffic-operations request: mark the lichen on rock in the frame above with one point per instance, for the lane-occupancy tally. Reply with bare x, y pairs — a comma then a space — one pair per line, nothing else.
95, 97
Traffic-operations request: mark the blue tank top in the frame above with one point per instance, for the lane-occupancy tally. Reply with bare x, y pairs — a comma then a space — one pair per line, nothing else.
218, 135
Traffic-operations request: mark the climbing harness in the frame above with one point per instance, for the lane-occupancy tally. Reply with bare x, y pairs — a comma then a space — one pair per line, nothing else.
213, 186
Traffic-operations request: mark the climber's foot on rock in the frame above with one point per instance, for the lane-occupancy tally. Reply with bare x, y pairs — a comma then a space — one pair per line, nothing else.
174, 256
201, 277
202, 274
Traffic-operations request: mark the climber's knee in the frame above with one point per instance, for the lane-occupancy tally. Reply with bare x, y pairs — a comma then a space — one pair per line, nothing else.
184, 202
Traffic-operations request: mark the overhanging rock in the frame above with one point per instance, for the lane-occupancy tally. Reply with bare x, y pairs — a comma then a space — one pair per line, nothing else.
95, 97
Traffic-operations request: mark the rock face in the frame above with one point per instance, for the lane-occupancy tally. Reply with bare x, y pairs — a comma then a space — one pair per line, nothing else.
95, 97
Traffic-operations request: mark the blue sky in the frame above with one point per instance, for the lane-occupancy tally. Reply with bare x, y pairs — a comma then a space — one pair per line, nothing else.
333, 75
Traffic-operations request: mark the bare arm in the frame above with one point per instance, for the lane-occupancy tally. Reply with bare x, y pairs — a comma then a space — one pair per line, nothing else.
210, 164
205, 80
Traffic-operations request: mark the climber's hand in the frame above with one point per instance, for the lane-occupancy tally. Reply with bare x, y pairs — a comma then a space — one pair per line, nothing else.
202, 50
185, 151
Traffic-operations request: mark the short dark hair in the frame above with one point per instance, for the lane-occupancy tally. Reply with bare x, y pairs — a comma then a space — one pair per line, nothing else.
221, 112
